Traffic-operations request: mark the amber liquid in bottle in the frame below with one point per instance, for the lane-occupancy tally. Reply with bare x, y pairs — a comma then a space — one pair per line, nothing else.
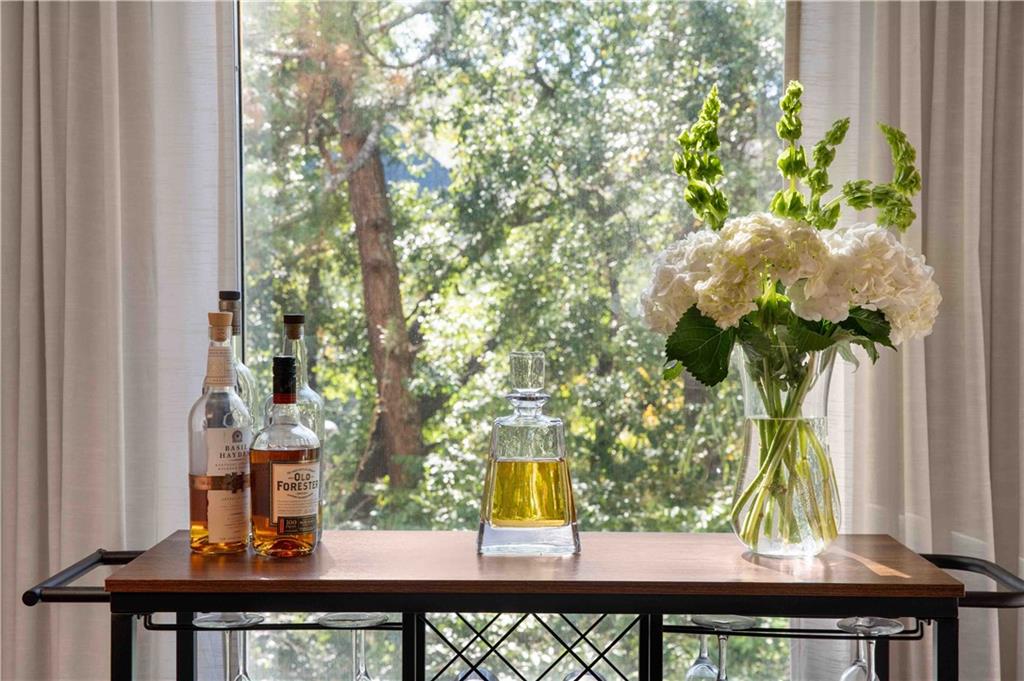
199, 526
529, 493
285, 501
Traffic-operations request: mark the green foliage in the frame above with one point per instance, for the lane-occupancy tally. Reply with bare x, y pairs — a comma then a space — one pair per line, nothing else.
701, 346
792, 162
701, 165
893, 199
825, 217
550, 120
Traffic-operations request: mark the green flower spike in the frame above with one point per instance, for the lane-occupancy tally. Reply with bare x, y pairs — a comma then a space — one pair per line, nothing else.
701, 165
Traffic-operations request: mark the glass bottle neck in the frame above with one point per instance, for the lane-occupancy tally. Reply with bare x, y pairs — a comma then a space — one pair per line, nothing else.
284, 412
296, 347
527, 405
220, 372
236, 348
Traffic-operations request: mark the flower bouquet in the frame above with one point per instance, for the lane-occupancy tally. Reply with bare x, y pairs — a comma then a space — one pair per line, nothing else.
790, 290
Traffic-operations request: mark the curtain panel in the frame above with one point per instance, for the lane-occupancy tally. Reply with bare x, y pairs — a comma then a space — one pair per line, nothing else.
119, 152
936, 429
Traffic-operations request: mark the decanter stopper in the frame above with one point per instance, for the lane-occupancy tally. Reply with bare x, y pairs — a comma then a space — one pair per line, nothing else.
527, 372
528, 506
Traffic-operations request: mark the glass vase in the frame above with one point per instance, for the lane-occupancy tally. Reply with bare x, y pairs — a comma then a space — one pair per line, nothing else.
787, 501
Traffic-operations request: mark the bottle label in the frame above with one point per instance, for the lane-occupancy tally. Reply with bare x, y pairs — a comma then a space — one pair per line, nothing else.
227, 450
219, 369
227, 514
227, 506
295, 495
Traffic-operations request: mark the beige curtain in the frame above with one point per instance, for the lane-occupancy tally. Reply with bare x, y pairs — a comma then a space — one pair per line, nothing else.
118, 202
936, 429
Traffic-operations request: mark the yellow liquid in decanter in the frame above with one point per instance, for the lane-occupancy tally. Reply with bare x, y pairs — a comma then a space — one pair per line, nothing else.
529, 493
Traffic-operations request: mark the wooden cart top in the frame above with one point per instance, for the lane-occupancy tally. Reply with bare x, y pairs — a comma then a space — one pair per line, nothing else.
623, 563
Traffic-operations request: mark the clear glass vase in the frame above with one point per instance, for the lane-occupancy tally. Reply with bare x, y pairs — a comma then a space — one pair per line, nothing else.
786, 501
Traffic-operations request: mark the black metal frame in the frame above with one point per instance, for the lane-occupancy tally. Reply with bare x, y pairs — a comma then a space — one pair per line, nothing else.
648, 611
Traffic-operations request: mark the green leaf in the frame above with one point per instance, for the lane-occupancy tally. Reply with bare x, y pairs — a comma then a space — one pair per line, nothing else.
870, 324
701, 346
847, 353
869, 347
808, 336
672, 370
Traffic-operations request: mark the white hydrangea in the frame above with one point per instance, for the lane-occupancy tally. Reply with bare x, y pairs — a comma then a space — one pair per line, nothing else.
869, 267
677, 271
825, 274
753, 248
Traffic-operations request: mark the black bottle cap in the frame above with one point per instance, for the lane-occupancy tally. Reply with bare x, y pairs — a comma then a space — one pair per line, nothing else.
230, 295
295, 319
284, 379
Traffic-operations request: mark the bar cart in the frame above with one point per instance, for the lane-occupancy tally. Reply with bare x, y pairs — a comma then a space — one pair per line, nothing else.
644, 575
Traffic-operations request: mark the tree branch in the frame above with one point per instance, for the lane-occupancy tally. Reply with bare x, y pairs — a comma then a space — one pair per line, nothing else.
365, 152
438, 45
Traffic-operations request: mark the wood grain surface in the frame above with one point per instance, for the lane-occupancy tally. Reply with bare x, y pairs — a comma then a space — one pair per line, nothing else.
382, 562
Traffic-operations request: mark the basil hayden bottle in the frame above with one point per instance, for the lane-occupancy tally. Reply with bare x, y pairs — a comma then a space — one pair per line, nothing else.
220, 429
285, 463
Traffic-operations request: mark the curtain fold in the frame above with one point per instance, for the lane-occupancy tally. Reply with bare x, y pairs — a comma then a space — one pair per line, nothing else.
936, 428
119, 200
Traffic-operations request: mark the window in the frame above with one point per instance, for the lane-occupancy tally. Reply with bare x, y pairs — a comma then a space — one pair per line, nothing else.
435, 185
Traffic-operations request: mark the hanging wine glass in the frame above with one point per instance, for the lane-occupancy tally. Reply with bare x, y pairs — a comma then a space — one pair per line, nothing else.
702, 669
358, 622
863, 668
235, 637
723, 625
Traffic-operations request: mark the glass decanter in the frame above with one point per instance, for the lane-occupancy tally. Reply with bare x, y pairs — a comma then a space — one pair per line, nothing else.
528, 505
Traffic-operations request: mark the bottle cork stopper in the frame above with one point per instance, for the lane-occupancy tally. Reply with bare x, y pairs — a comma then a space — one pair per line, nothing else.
220, 325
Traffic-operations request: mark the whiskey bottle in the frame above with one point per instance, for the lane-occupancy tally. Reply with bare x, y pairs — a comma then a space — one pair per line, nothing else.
307, 401
245, 382
220, 429
285, 463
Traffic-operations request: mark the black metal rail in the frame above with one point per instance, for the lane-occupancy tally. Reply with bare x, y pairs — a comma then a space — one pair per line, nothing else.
1013, 597
55, 589
915, 634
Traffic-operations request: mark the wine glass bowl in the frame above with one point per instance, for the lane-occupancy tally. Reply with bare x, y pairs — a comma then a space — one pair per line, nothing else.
724, 622
352, 620
227, 620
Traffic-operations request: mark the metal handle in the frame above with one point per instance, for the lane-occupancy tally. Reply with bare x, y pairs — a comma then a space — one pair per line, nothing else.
54, 590
1013, 597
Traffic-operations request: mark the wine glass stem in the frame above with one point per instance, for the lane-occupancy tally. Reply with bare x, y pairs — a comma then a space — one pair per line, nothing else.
355, 657
703, 646
243, 655
228, 668
871, 659
362, 653
722, 643
862, 651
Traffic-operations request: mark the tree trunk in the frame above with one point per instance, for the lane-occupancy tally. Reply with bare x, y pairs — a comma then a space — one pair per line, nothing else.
400, 427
